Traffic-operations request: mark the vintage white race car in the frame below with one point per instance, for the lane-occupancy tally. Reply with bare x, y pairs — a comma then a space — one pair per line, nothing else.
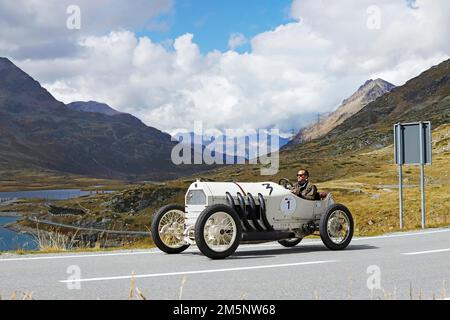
218, 216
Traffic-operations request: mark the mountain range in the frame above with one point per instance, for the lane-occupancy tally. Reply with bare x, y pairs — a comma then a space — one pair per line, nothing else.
39, 132
92, 139
368, 92
423, 98
222, 150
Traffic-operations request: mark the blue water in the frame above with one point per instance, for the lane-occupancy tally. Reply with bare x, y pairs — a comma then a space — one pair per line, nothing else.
60, 194
10, 240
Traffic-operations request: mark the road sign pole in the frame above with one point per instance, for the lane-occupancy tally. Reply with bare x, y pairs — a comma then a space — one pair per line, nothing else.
422, 179
422, 187
398, 147
400, 194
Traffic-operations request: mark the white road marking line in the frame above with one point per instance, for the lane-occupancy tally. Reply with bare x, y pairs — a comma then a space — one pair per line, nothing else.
199, 271
115, 254
79, 256
119, 253
399, 235
425, 252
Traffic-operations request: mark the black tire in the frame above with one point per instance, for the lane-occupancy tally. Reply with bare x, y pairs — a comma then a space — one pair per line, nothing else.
155, 229
288, 243
329, 243
200, 228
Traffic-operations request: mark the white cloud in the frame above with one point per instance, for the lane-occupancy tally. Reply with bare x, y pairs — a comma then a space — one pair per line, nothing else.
236, 40
37, 29
405, 34
292, 71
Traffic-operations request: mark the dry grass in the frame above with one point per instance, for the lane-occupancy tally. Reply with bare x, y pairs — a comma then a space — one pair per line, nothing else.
413, 294
55, 241
183, 282
20, 295
134, 292
146, 243
29, 179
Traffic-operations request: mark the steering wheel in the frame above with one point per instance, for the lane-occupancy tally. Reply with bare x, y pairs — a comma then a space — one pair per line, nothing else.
285, 183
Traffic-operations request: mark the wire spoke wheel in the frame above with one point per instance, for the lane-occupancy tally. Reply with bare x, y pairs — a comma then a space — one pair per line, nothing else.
338, 226
220, 231
171, 228
168, 229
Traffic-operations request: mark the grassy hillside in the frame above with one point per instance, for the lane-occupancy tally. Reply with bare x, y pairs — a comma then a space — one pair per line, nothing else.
38, 179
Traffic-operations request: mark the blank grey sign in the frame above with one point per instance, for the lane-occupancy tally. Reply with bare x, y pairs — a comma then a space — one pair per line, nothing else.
407, 143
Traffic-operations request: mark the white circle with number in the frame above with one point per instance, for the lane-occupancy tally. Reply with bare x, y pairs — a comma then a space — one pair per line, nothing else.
288, 205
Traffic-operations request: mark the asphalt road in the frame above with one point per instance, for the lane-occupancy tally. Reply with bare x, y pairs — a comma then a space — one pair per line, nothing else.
397, 266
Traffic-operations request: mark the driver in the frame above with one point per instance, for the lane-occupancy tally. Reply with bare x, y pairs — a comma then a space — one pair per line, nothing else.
303, 188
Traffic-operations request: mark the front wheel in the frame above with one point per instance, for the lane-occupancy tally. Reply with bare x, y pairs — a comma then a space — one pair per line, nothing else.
168, 227
218, 231
288, 243
336, 227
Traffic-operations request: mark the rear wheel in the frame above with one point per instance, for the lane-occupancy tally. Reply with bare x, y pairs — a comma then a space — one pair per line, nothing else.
168, 227
218, 231
288, 243
336, 227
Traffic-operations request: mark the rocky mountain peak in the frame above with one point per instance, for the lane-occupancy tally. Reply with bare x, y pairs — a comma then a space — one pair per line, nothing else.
93, 106
26, 92
5, 63
370, 90
366, 93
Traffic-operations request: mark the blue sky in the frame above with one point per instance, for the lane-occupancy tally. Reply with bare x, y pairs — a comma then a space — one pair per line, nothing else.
213, 21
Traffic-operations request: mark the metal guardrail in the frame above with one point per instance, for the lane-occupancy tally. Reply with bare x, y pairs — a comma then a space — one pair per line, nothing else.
62, 225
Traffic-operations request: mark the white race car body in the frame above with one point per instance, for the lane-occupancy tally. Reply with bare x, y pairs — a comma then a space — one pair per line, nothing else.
284, 210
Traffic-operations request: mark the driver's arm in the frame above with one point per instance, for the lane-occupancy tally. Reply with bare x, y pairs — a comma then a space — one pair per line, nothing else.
310, 193
295, 190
